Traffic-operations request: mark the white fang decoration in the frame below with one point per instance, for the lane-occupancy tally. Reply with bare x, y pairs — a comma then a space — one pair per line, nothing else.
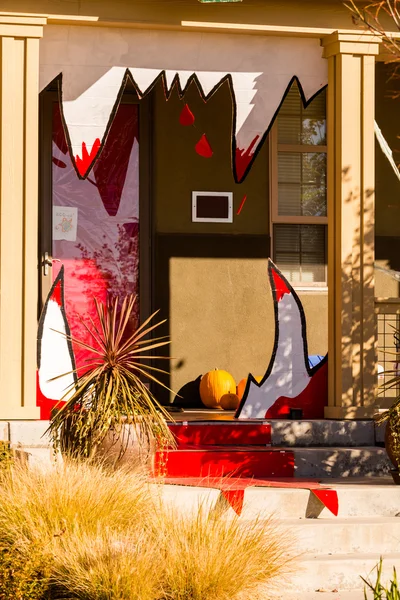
55, 355
289, 382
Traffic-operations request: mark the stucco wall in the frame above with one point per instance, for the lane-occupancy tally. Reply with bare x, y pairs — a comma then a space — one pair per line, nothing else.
221, 315
308, 13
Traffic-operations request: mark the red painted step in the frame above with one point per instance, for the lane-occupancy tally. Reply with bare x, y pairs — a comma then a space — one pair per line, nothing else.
224, 462
232, 433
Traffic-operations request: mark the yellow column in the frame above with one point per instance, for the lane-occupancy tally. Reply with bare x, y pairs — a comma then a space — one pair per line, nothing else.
19, 94
352, 337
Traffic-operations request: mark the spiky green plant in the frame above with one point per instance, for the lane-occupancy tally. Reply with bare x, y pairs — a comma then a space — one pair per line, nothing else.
380, 592
111, 391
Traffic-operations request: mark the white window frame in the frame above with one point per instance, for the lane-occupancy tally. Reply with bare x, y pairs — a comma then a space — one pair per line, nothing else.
229, 218
275, 218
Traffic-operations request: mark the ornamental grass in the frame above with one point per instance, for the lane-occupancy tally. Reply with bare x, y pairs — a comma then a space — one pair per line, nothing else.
77, 531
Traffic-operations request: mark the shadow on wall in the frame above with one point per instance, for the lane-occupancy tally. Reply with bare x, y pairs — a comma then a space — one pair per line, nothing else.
358, 320
198, 247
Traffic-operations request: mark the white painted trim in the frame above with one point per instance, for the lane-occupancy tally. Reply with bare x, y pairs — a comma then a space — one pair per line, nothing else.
229, 218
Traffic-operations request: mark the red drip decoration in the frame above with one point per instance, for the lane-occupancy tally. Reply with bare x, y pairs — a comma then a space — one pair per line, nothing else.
243, 158
329, 498
83, 164
280, 286
186, 117
58, 162
203, 147
235, 498
239, 210
56, 295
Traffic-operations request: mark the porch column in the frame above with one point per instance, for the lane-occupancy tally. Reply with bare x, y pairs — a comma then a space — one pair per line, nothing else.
19, 89
351, 175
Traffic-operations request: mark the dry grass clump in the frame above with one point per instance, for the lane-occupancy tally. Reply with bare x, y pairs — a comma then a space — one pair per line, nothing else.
111, 566
80, 532
214, 558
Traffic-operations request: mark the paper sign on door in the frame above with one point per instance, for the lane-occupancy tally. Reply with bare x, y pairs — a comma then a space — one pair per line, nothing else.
65, 221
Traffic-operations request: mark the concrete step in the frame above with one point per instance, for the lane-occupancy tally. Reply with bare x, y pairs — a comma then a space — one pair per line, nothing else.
340, 572
322, 433
228, 433
357, 497
224, 461
341, 462
38, 457
253, 461
339, 595
277, 432
346, 535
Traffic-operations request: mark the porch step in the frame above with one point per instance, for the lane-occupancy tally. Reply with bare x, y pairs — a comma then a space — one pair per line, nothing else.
322, 433
217, 461
341, 462
255, 461
339, 595
366, 498
345, 535
37, 456
228, 433
314, 433
358, 497
340, 571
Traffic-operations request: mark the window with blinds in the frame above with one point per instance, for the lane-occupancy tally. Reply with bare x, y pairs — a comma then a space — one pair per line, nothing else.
298, 189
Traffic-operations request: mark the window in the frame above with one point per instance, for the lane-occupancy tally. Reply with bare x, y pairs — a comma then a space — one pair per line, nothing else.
298, 189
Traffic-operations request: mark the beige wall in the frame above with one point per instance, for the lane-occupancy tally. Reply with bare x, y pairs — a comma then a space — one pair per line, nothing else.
221, 315
308, 13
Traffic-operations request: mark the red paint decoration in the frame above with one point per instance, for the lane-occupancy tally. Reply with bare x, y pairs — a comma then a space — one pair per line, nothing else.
280, 286
235, 499
328, 498
243, 159
109, 171
239, 210
59, 163
203, 147
186, 117
83, 164
311, 400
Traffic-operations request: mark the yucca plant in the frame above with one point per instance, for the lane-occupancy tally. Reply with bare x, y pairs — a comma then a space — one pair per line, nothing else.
111, 392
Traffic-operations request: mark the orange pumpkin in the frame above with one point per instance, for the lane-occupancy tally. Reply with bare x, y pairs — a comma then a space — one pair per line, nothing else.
229, 401
242, 386
214, 385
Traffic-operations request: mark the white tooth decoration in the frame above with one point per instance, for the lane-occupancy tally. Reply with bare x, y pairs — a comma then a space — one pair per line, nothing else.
386, 149
55, 355
93, 62
144, 78
87, 117
288, 374
184, 78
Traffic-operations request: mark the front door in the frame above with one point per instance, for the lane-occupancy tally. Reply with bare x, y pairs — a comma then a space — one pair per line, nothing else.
91, 226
